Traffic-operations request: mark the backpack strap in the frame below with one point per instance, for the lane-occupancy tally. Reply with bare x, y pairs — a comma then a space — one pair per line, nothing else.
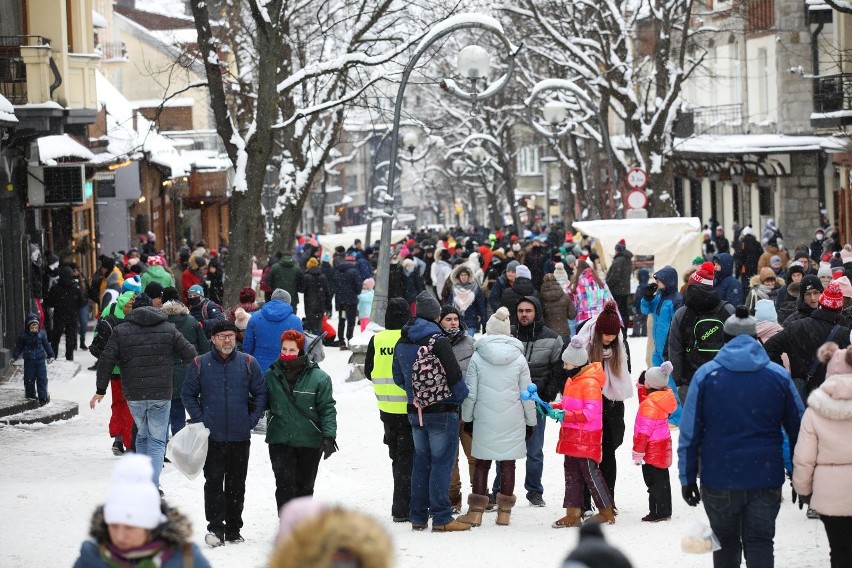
816, 361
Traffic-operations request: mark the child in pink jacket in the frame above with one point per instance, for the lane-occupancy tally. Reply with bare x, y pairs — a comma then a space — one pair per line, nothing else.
652, 441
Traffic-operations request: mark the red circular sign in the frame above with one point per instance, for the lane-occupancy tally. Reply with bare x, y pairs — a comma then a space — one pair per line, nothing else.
637, 199
637, 178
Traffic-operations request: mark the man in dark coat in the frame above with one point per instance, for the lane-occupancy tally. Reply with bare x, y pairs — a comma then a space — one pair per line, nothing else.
747, 256
349, 283
285, 274
66, 298
618, 279
522, 287
810, 290
317, 296
330, 276
534, 260
725, 285
722, 244
145, 345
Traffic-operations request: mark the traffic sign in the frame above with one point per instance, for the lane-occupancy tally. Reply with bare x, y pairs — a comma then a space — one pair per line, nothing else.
637, 199
637, 178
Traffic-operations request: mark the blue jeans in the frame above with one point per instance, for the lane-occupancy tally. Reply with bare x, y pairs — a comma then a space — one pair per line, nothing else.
744, 522
472, 331
435, 446
674, 417
83, 323
177, 415
152, 422
535, 459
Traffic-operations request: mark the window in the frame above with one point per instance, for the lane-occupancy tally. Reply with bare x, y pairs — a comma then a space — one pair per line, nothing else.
528, 161
762, 84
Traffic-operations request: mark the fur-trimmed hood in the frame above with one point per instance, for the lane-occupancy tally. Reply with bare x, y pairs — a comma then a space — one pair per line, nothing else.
176, 530
833, 399
315, 541
174, 308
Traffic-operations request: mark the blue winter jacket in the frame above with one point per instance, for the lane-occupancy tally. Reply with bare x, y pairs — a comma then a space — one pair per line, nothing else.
262, 338
663, 307
365, 269
218, 395
33, 346
726, 286
405, 353
732, 419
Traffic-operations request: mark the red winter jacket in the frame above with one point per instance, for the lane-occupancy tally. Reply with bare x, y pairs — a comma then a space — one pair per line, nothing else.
652, 436
581, 434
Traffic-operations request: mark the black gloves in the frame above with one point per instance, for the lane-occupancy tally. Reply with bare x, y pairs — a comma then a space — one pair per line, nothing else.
650, 290
530, 430
691, 494
328, 447
804, 501
468, 428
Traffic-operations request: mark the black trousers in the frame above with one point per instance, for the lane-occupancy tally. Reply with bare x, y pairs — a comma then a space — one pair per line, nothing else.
225, 486
613, 437
400, 445
69, 328
295, 471
659, 491
349, 311
838, 530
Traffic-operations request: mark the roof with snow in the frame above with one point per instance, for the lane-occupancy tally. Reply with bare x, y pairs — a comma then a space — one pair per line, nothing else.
750, 144
56, 147
7, 112
154, 21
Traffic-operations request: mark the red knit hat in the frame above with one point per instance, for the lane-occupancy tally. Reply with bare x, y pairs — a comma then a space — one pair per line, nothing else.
608, 323
832, 297
247, 295
704, 275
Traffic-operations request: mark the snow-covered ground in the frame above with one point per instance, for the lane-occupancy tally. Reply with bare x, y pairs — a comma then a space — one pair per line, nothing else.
53, 476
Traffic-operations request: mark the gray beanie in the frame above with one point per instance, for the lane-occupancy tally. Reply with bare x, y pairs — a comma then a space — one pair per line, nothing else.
575, 353
741, 323
570, 259
281, 294
523, 272
427, 307
658, 377
512, 266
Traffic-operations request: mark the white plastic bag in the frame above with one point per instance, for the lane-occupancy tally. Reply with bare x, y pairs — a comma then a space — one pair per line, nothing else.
187, 450
699, 539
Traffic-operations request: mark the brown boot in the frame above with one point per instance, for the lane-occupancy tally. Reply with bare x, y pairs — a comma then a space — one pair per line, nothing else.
572, 518
504, 508
604, 517
452, 526
475, 507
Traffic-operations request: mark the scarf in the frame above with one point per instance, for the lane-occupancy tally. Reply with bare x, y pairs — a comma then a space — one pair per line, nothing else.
453, 334
150, 555
463, 296
293, 368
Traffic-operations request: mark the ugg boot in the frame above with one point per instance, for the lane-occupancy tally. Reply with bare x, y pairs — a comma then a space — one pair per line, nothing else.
452, 526
504, 508
604, 517
475, 507
572, 518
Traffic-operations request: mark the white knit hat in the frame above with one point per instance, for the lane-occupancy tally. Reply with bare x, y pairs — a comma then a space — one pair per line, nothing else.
523, 272
658, 377
575, 353
133, 498
498, 323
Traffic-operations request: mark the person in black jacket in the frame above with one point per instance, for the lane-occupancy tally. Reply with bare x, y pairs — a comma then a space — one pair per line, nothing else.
348, 287
317, 296
522, 287
801, 339
747, 255
810, 290
330, 277
66, 299
145, 345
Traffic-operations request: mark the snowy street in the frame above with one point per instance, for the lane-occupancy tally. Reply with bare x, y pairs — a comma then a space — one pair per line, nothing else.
53, 476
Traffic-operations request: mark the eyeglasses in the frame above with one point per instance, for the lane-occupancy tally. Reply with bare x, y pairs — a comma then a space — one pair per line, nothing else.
226, 337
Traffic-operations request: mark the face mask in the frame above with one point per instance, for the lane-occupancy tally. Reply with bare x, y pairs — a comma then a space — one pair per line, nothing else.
194, 301
54, 266
286, 358
34, 256
820, 236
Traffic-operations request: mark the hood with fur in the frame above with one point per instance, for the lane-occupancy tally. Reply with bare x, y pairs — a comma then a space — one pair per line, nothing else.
174, 309
176, 530
833, 399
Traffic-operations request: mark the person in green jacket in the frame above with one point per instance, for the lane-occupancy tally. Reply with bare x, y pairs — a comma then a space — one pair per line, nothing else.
285, 274
302, 422
157, 272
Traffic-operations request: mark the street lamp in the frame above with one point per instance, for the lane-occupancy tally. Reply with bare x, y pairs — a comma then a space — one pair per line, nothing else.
556, 114
473, 66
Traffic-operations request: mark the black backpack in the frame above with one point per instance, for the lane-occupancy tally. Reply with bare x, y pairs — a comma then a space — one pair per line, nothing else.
103, 330
703, 336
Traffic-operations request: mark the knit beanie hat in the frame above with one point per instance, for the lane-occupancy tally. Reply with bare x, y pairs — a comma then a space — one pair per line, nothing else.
294, 336
593, 551
397, 314
368, 284
741, 323
698, 260
570, 259
281, 294
845, 286
142, 300
824, 270
795, 267
704, 275
775, 260
498, 323
241, 318
809, 282
620, 246
170, 294
223, 325
838, 361
560, 273
523, 272
312, 263
846, 254
427, 307
154, 290
247, 295
765, 273
132, 284
195, 289
765, 311
832, 297
512, 266
133, 499
575, 353
608, 322
658, 377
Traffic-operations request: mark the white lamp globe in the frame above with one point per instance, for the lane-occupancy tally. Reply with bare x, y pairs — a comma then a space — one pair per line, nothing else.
477, 154
474, 62
555, 112
410, 140
458, 166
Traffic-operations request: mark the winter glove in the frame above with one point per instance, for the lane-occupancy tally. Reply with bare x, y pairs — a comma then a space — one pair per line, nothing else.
14, 359
530, 430
638, 458
804, 501
50, 360
557, 415
691, 494
328, 447
468, 428
650, 290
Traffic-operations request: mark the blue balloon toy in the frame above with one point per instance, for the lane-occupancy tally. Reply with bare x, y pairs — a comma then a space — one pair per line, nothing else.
544, 408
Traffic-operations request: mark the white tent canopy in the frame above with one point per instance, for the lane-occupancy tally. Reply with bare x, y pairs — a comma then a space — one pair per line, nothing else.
345, 240
672, 241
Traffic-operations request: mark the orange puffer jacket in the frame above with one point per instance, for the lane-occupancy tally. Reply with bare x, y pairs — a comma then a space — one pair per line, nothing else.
652, 436
582, 433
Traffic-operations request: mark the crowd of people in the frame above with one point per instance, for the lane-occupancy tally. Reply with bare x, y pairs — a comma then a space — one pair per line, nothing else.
487, 337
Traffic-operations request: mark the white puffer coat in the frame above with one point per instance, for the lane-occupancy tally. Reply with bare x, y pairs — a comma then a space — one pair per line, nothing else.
495, 378
822, 462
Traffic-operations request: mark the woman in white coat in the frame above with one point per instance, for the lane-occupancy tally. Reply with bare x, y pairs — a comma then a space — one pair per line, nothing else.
499, 420
822, 461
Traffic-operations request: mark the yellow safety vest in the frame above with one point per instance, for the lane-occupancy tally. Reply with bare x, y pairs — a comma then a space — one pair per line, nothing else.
392, 399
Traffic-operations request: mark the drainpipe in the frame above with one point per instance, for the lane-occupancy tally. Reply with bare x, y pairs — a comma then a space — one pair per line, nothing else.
815, 48
822, 157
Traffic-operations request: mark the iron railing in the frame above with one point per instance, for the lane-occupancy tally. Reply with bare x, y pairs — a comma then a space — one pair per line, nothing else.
719, 119
13, 70
110, 51
833, 93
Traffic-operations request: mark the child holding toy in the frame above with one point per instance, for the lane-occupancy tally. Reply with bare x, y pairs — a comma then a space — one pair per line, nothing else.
35, 348
581, 436
652, 440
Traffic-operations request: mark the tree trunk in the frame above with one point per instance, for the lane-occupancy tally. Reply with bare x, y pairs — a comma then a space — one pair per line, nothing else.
287, 224
661, 202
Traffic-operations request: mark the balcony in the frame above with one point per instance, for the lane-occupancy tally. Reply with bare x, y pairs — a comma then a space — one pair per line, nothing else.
112, 51
832, 101
719, 119
16, 55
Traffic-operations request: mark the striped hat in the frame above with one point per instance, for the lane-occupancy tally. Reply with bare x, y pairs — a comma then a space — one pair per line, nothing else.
704, 275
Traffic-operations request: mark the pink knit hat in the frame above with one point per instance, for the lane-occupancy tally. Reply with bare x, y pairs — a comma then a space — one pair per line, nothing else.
839, 361
845, 286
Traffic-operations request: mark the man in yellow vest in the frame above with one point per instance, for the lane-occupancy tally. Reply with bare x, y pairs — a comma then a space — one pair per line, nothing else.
393, 404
